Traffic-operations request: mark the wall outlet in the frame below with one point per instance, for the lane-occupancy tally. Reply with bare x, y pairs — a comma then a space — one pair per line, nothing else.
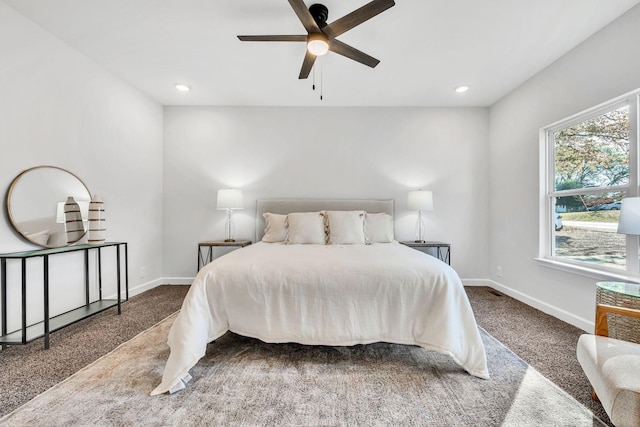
499, 271
143, 272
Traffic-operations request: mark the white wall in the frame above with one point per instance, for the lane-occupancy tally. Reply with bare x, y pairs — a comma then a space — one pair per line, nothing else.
601, 68
326, 152
59, 108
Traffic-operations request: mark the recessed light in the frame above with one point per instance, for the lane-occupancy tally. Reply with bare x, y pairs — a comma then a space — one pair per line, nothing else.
182, 87
462, 89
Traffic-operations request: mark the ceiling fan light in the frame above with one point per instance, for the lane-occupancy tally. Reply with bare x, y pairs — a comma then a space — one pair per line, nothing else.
317, 44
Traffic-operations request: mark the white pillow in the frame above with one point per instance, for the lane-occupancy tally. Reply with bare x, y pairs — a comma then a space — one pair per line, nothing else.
40, 237
346, 227
306, 228
275, 229
378, 228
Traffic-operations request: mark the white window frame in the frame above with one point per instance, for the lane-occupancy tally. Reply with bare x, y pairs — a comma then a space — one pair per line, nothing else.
548, 192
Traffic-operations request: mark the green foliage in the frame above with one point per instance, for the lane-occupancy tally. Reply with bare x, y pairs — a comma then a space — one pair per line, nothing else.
593, 153
572, 203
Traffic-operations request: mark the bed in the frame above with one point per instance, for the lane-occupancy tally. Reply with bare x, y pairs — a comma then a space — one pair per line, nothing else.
340, 288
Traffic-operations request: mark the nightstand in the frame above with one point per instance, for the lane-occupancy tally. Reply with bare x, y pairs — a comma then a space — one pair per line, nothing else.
204, 259
443, 250
621, 294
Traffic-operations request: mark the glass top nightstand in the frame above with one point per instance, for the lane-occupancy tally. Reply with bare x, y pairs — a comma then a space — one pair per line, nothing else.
204, 259
622, 288
443, 250
621, 294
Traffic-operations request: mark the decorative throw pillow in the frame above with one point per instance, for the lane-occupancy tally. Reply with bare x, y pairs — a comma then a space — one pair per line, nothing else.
378, 228
306, 228
275, 229
41, 237
346, 227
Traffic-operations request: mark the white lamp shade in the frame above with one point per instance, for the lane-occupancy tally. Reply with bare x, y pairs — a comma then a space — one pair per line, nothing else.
230, 199
629, 222
60, 213
420, 200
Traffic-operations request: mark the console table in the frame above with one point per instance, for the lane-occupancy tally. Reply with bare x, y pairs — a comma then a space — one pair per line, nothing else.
27, 333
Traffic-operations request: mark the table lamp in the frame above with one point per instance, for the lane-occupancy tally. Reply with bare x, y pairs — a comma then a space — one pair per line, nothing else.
230, 200
629, 221
420, 200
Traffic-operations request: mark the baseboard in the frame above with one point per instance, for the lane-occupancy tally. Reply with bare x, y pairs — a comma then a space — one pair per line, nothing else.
143, 287
578, 322
177, 280
476, 282
136, 290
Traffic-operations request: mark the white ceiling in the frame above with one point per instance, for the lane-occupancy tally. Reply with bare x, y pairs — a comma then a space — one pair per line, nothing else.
426, 47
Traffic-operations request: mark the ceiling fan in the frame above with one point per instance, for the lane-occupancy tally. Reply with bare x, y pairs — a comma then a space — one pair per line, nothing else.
321, 37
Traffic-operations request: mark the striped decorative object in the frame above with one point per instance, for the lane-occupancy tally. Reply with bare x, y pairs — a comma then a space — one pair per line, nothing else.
73, 221
97, 229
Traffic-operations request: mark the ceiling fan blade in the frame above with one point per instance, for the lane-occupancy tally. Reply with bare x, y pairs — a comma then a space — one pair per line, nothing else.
352, 53
304, 16
273, 38
307, 65
357, 17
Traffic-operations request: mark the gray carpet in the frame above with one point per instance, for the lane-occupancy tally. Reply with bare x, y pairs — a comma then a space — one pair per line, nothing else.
545, 342
245, 382
30, 370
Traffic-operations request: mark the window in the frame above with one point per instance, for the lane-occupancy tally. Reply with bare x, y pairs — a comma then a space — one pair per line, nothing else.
590, 165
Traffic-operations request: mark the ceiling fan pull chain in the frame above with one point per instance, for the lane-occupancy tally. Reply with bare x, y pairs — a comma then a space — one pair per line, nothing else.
313, 84
320, 79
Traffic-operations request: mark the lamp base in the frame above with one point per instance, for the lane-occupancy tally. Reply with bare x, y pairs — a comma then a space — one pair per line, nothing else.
419, 241
229, 240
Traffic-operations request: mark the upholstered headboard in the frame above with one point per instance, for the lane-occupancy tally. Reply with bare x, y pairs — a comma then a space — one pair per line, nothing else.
285, 206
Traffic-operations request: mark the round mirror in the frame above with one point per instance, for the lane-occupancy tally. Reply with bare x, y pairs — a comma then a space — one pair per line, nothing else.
36, 206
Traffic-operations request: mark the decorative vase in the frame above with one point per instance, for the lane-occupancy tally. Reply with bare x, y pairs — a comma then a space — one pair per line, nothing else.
73, 221
97, 229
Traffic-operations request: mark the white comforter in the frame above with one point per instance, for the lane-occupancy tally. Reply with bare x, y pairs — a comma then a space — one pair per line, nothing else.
325, 295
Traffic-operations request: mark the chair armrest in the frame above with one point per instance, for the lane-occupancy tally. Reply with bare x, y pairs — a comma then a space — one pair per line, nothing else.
602, 327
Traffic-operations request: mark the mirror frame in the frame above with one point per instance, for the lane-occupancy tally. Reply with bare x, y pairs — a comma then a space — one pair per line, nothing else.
10, 215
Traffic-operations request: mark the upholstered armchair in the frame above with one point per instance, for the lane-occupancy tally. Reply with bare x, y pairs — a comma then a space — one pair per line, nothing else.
613, 368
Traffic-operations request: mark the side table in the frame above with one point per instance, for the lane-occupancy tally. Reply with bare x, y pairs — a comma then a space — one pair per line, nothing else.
621, 294
205, 258
443, 250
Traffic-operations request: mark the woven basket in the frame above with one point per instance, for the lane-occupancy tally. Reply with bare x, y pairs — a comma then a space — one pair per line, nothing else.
620, 327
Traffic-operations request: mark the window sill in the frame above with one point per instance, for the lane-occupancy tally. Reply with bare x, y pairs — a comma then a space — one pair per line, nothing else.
593, 273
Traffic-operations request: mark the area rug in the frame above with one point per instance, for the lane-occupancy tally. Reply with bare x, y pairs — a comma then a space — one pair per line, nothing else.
245, 382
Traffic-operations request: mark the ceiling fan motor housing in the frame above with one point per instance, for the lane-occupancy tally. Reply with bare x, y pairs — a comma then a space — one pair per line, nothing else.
320, 14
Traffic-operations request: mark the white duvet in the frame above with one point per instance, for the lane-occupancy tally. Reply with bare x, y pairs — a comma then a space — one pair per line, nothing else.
325, 295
